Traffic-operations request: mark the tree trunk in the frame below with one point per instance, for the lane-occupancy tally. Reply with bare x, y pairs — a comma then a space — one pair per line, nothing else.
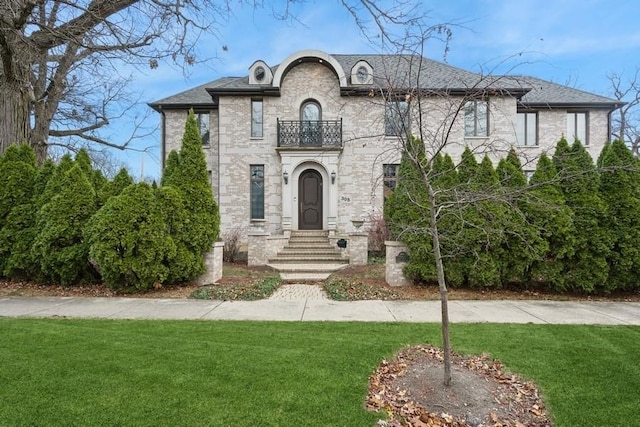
14, 114
444, 301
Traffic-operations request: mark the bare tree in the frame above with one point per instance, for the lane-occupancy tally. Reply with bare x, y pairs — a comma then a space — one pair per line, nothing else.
60, 61
430, 119
626, 119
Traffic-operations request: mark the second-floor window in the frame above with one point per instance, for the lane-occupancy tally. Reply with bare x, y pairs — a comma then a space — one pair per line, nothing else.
577, 127
396, 118
256, 118
476, 118
527, 128
203, 126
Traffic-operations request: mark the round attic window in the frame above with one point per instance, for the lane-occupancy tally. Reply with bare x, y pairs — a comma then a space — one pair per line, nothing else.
362, 73
259, 74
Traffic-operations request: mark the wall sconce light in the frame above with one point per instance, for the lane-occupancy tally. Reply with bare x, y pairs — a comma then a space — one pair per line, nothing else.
333, 177
285, 176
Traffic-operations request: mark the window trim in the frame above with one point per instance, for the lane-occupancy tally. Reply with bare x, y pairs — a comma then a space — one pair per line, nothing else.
525, 143
475, 103
261, 122
253, 197
575, 113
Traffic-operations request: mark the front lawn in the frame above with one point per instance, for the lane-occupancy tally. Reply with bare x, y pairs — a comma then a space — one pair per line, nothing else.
103, 372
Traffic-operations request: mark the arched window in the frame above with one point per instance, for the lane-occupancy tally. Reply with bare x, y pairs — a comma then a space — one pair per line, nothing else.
310, 123
310, 111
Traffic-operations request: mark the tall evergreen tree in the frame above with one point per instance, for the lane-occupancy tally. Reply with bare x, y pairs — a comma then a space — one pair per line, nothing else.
405, 213
546, 208
522, 242
187, 171
587, 269
485, 218
59, 243
18, 174
620, 189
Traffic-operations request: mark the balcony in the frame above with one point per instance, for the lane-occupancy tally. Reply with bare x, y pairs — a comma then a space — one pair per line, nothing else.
310, 133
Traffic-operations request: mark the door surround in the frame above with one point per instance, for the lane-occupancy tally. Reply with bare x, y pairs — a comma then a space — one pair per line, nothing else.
295, 162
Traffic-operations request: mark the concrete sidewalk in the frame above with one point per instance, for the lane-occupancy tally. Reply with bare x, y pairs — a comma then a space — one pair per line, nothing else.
311, 309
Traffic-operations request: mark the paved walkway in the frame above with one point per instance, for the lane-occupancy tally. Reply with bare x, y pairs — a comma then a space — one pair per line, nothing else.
308, 303
298, 293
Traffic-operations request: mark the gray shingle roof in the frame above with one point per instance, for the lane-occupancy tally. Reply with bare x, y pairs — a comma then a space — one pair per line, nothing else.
401, 71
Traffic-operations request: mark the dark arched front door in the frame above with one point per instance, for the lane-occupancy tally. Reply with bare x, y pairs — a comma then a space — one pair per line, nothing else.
310, 200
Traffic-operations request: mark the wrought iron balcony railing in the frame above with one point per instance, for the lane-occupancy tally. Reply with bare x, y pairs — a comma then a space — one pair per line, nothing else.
310, 133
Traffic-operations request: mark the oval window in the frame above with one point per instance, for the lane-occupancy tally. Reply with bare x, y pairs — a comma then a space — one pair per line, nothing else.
362, 73
259, 74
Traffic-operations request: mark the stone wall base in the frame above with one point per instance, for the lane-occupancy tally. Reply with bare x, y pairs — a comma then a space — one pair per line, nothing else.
213, 265
396, 259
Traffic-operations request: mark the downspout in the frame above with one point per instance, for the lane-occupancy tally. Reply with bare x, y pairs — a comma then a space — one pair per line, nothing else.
163, 138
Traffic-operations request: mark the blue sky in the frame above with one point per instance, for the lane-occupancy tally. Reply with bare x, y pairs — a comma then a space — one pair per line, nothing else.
571, 42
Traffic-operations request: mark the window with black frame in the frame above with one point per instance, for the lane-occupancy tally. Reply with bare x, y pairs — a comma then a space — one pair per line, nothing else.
396, 118
257, 191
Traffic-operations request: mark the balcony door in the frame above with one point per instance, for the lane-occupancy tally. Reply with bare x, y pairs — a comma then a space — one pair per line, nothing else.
310, 126
310, 200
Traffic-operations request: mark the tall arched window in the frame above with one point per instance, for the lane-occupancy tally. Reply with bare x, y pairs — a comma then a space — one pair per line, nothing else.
310, 111
310, 123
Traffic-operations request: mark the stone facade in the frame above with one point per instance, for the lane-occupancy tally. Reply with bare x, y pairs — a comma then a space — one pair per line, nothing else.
396, 260
351, 175
213, 263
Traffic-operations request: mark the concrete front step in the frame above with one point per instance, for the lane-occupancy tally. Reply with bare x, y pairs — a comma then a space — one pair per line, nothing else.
307, 233
308, 257
307, 268
304, 277
307, 260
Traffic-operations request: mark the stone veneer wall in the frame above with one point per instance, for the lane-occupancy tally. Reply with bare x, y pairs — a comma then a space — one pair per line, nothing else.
213, 263
261, 247
366, 149
358, 247
393, 273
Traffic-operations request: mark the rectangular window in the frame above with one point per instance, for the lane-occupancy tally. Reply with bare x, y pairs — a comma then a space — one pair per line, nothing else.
396, 118
390, 178
476, 118
577, 127
257, 191
203, 126
256, 118
527, 129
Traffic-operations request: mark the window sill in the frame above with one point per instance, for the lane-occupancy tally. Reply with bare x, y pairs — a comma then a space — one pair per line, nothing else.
527, 146
256, 138
479, 138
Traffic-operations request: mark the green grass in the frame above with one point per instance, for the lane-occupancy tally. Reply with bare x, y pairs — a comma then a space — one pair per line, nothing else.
103, 372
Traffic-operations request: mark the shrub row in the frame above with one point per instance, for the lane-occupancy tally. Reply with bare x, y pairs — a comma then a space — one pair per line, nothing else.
573, 226
66, 223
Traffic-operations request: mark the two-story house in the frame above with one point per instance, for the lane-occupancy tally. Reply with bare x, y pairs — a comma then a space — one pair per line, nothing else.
313, 142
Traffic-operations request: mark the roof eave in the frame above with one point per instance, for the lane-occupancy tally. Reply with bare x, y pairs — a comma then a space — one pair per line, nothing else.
159, 106
258, 91
573, 105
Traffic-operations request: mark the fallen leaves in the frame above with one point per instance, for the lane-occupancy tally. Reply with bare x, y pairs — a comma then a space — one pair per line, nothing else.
517, 402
